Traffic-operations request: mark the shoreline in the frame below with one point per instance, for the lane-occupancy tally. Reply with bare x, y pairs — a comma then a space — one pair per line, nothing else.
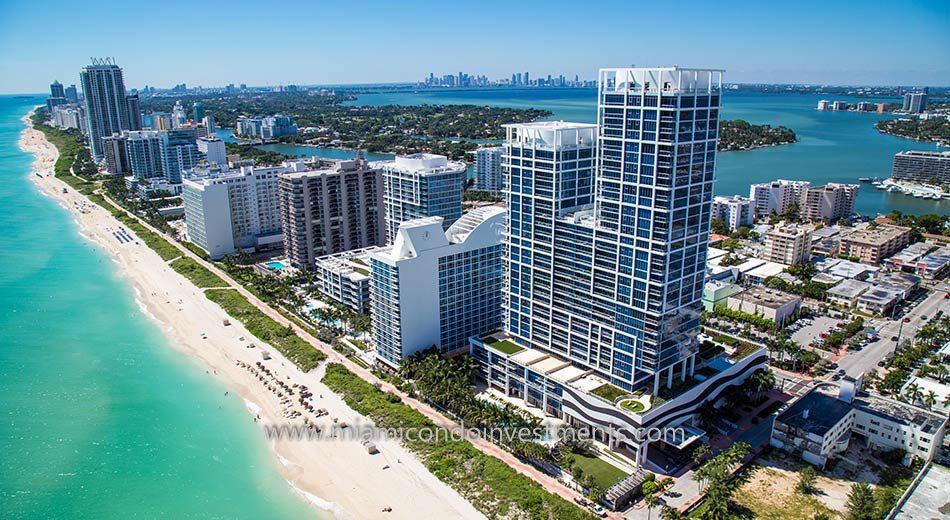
334, 476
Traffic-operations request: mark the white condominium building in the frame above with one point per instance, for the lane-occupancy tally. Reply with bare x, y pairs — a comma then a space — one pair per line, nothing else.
776, 197
421, 185
488, 174
829, 203
214, 150
230, 210
736, 211
437, 288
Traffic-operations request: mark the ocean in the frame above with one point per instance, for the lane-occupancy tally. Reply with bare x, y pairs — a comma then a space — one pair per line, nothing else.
101, 418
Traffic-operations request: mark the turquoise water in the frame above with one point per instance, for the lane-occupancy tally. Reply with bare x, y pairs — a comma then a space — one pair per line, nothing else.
832, 147
99, 416
276, 265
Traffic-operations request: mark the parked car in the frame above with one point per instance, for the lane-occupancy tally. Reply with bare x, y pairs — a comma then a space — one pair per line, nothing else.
893, 338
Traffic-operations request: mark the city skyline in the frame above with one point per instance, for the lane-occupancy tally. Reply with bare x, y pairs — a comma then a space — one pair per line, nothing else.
814, 43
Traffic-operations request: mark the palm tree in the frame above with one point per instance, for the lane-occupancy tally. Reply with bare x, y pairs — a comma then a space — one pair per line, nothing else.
671, 513
930, 399
913, 393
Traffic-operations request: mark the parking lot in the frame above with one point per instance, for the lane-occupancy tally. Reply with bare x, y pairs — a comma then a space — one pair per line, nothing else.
810, 330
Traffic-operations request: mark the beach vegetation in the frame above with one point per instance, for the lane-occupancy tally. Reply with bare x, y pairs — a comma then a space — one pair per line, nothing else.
196, 273
490, 485
284, 339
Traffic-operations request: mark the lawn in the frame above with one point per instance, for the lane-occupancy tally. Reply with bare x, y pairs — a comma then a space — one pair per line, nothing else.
503, 345
196, 273
632, 406
609, 392
301, 353
604, 473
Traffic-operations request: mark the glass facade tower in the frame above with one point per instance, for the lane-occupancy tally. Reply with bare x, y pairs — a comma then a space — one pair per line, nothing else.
612, 277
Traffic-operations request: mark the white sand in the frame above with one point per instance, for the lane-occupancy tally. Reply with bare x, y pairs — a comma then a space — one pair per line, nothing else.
333, 475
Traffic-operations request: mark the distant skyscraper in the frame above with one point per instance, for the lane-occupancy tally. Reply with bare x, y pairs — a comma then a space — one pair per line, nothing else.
915, 102
56, 90
210, 124
421, 185
71, 94
488, 174
107, 108
135, 112
179, 118
198, 111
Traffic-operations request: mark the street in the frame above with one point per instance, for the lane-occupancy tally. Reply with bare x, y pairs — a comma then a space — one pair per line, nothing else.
860, 362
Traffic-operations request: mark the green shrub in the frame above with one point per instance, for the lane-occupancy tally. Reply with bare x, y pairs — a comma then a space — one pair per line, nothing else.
301, 353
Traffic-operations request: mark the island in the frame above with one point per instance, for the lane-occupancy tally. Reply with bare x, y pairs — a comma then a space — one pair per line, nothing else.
451, 130
738, 134
931, 130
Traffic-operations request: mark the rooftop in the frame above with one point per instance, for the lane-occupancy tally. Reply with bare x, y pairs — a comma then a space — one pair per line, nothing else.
924, 421
815, 413
911, 253
879, 295
845, 268
929, 495
849, 289
875, 237
352, 263
421, 163
771, 298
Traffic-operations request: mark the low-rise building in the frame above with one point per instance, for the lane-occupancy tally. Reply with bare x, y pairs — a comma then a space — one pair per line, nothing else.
716, 292
879, 300
787, 245
814, 427
757, 275
847, 292
904, 283
846, 269
820, 424
934, 265
873, 245
771, 304
906, 259
344, 278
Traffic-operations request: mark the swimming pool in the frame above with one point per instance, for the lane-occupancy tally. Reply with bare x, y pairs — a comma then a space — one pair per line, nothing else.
276, 265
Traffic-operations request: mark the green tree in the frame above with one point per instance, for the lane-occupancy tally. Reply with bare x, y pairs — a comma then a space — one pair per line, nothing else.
806, 481
860, 502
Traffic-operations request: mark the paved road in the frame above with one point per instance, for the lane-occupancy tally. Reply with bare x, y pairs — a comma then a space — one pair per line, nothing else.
857, 363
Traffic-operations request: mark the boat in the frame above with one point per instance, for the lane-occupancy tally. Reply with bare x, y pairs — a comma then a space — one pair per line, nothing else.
893, 188
864, 179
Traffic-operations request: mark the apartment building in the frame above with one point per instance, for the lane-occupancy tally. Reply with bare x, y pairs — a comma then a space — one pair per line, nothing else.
230, 210
344, 278
437, 288
828, 203
871, 245
421, 185
788, 245
776, 197
330, 208
735, 211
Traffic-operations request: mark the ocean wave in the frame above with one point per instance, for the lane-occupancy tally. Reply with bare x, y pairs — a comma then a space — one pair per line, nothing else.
320, 503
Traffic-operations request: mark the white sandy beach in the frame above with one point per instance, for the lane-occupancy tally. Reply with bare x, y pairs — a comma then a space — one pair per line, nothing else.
337, 476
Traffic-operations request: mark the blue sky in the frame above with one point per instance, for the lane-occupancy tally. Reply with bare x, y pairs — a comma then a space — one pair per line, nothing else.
204, 42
